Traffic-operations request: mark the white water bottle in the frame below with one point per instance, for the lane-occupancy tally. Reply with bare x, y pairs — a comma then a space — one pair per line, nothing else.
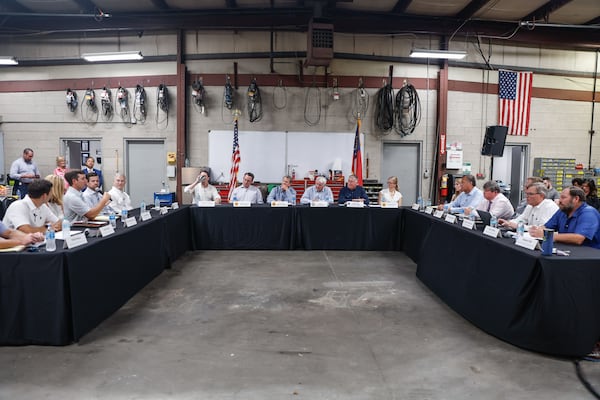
493, 221
520, 229
156, 203
112, 218
50, 239
66, 228
124, 214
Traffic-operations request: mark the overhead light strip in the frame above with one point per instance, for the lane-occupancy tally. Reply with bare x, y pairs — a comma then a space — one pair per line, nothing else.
8, 60
113, 56
443, 54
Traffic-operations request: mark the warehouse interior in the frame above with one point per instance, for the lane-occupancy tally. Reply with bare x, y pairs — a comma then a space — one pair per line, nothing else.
321, 324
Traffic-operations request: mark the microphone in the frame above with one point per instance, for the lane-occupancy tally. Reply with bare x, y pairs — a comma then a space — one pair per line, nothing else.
202, 178
98, 190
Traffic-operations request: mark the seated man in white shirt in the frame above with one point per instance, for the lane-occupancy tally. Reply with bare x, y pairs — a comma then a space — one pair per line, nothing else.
92, 194
75, 207
318, 192
31, 214
247, 192
538, 211
494, 202
120, 199
202, 190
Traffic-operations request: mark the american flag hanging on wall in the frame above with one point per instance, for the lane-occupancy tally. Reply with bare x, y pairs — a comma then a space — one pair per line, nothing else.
514, 98
235, 160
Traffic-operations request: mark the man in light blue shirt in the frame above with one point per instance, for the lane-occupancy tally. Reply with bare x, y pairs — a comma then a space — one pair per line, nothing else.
24, 171
318, 192
470, 197
283, 192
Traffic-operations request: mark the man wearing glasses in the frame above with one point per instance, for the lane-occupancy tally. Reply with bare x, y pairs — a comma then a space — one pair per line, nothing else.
539, 209
576, 222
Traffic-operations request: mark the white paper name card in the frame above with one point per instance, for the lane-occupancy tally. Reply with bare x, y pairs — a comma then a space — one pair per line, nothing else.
131, 221
279, 204
451, 218
242, 203
415, 207
527, 242
175, 206
76, 241
206, 203
355, 204
145, 215
468, 224
106, 230
319, 203
491, 232
429, 210
164, 210
438, 213
389, 204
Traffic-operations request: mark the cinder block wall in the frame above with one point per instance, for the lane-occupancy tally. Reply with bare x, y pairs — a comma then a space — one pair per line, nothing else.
559, 124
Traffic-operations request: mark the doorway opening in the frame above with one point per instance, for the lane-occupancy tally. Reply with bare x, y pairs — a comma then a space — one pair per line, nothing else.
512, 168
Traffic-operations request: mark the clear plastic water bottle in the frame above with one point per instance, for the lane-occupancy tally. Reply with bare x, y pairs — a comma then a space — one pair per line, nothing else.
494, 221
50, 239
520, 229
142, 206
112, 218
420, 203
124, 214
156, 203
66, 228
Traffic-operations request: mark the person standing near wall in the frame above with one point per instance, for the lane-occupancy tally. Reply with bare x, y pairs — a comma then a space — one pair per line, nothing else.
61, 169
89, 167
24, 171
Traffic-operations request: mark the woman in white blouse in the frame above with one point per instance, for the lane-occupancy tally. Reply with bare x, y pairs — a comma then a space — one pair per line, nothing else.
391, 194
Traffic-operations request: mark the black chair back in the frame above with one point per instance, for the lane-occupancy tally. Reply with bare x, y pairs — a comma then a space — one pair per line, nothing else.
5, 204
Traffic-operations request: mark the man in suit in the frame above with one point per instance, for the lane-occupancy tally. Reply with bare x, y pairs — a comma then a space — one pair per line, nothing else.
89, 167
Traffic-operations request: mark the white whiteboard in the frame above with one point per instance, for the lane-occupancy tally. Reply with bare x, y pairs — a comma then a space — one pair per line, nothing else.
268, 154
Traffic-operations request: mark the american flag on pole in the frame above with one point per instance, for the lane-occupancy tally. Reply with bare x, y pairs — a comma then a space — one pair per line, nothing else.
357, 155
514, 97
235, 160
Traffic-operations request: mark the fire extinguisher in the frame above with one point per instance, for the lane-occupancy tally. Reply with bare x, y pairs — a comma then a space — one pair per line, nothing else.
444, 186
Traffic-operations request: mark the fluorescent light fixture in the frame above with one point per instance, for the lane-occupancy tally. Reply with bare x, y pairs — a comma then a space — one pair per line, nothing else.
113, 56
445, 54
8, 60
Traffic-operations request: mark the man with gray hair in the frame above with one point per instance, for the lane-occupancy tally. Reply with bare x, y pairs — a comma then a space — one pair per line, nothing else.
318, 192
495, 202
539, 209
120, 199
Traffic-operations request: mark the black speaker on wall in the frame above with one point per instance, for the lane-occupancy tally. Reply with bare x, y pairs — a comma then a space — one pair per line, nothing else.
493, 142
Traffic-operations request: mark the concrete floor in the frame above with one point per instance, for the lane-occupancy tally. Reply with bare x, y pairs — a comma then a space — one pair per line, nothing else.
261, 325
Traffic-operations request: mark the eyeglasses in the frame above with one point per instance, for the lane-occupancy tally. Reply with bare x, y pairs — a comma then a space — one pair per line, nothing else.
530, 194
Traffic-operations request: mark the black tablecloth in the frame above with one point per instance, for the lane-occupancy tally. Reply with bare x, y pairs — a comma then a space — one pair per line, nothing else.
56, 298
260, 227
342, 228
546, 304
34, 299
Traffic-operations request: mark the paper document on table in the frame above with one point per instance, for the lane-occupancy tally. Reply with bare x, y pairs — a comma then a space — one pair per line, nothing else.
59, 235
15, 248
